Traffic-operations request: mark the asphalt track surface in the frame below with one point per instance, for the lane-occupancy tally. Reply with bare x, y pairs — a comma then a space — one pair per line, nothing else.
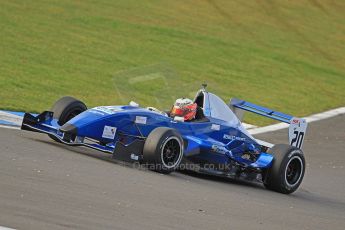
46, 185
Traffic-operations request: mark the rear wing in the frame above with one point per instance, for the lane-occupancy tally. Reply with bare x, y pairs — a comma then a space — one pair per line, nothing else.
297, 126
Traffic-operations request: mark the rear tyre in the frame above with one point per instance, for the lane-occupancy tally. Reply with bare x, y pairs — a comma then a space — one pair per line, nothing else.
65, 109
163, 150
287, 171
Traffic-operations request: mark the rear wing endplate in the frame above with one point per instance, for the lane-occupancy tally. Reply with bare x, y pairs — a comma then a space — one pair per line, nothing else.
297, 128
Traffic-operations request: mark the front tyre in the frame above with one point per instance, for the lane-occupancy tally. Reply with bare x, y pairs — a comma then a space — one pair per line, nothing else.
163, 150
287, 171
65, 109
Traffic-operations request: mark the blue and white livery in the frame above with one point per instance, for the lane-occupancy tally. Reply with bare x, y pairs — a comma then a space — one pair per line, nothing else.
215, 142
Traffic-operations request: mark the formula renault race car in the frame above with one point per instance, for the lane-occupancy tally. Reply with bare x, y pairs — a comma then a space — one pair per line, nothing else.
215, 142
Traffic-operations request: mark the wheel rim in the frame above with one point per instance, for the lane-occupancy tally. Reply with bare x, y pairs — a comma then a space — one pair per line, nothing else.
293, 171
171, 152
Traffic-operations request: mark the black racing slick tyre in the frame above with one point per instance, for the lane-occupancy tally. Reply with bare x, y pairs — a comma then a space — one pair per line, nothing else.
163, 150
287, 172
65, 109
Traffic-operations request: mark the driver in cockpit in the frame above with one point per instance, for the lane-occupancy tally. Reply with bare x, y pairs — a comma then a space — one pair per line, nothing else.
184, 109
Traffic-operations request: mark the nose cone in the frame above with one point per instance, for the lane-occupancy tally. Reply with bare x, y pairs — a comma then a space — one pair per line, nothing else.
94, 114
90, 123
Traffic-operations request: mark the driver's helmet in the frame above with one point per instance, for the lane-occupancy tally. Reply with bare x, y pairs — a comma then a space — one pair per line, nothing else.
184, 107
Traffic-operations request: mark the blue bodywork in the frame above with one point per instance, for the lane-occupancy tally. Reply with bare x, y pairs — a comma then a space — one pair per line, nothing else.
220, 139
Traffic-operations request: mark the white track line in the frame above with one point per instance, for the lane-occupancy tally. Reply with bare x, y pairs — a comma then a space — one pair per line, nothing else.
264, 143
9, 127
5, 228
268, 128
11, 118
327, 114
248, 126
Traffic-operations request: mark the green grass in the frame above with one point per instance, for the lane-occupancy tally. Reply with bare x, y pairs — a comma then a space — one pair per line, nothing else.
287, 55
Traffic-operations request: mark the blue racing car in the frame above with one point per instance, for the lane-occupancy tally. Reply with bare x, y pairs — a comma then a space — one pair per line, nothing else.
212, 140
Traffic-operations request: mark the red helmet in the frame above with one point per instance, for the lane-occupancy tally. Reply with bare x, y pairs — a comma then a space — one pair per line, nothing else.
185, 108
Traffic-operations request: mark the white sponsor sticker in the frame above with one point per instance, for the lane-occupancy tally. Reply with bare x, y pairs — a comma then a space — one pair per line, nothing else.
107, 109
134, 157
140, 120
232, 137
96, 112
104, 110
109, 132
219, 149
215, 127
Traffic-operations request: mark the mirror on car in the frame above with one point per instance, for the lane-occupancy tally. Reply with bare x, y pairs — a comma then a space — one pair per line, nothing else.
134, 104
